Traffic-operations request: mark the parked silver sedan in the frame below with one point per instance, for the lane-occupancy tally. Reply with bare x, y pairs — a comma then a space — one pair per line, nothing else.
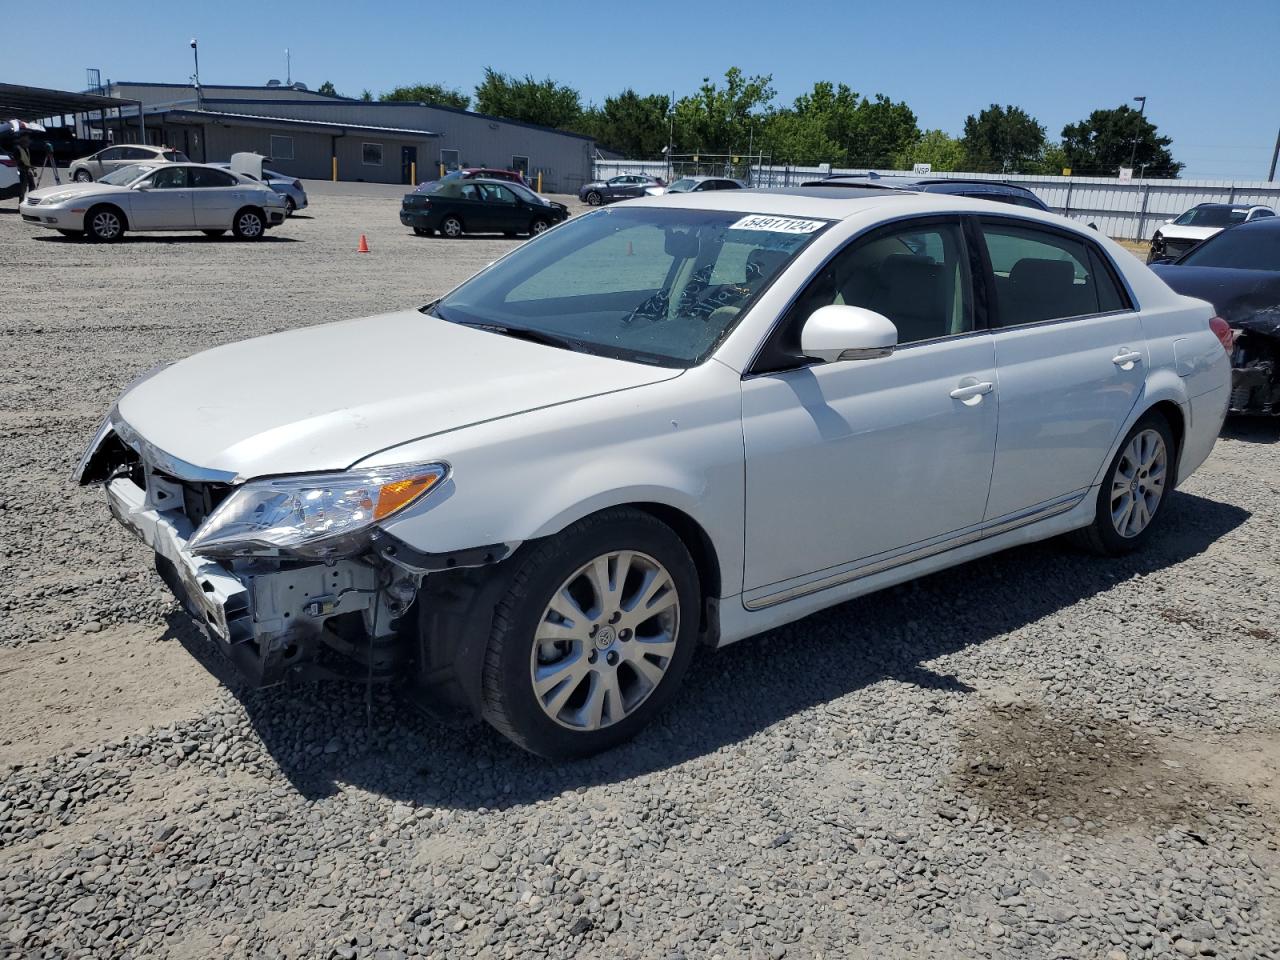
158, 196
98, 165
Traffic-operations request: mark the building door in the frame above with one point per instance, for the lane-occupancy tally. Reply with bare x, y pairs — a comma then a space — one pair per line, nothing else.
408, 164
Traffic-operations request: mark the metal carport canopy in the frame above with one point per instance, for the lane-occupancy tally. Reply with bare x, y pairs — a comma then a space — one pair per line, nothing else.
34, 103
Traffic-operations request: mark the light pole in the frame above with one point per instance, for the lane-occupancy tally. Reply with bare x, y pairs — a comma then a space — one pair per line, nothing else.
195, 51
1133, 153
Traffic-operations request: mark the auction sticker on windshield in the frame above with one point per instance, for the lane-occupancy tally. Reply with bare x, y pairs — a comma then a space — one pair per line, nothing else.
758, 221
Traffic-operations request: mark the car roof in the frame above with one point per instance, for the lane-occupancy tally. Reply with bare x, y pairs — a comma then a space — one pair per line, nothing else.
836, 203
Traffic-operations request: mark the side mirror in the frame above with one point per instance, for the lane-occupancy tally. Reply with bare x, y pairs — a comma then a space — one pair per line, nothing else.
837, 332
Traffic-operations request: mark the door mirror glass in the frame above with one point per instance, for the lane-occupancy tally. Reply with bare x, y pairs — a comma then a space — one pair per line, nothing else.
839, 332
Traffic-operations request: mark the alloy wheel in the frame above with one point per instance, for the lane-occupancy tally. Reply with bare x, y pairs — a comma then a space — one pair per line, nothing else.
452, 228
1137, 487
249, 225
540, 226
605, 640
106, 225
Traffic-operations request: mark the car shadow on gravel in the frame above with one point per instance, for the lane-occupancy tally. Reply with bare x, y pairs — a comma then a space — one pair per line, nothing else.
326, 735
1252, 429
183, 239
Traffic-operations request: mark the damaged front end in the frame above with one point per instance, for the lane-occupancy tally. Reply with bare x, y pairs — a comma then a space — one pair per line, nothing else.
1255, 363
290, 575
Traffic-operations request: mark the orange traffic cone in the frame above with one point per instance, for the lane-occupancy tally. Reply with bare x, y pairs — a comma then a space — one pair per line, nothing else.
364, 245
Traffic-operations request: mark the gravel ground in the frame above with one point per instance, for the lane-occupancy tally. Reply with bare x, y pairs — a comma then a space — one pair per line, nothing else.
1035, 755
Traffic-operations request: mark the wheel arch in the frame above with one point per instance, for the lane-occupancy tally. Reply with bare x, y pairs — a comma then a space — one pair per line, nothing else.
1165, 393
98, 204
251, 208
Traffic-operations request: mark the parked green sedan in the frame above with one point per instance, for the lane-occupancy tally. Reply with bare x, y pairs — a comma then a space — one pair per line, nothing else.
455, 207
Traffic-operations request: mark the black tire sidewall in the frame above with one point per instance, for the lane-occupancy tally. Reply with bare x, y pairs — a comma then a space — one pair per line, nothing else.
1103, 529
515, 708
92, 234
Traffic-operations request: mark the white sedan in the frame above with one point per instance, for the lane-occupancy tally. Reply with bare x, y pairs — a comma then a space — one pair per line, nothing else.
157, 196
674, 422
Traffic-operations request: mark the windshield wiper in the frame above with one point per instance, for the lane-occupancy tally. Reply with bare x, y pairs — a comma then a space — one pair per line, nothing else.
533, 336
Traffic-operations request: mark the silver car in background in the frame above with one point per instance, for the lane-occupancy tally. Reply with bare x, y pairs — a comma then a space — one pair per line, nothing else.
288, 187
98, 165
157, 196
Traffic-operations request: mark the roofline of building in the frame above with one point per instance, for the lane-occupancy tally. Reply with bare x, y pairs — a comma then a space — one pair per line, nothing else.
231, 86
418, 103
257, 120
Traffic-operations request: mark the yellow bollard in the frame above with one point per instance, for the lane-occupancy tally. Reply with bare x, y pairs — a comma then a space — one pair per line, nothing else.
335, 169
442, 171
539, 181
413, 173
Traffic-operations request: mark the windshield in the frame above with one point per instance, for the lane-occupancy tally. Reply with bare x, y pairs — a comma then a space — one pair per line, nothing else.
1212, 217
655, 285
525, 192
126, 175
1244, 248
683, 185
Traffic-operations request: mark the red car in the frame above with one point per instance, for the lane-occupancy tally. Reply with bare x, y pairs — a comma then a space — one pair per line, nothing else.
486, 173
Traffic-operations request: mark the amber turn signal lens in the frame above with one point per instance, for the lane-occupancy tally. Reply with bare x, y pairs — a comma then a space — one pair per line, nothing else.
400, 493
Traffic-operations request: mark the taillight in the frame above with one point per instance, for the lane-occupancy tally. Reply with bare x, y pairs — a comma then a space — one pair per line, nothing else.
1223, 332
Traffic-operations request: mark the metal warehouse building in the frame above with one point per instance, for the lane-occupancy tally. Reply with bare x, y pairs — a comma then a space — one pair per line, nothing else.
313, 135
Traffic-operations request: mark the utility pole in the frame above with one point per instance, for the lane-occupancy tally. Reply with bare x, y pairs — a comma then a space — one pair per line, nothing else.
1275, 154
288, 69
671, 133
195, 50
1133, 153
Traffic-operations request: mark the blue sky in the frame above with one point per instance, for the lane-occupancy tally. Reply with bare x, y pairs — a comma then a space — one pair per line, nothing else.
1208, 69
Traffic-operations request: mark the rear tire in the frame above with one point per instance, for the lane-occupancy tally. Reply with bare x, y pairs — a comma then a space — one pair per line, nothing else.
83, 176
451, 227
290, 208
1134, 489
104, 224
573, 684
249, 224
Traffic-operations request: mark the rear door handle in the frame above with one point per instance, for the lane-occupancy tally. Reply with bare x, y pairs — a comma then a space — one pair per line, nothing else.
1126, 361
972, 393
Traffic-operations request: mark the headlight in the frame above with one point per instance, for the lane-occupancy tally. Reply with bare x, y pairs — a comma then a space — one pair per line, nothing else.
59, 197
315, 515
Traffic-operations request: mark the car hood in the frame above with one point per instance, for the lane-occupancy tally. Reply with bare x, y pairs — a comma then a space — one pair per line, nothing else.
1178, 232
1246, 299
76, 190
324, 397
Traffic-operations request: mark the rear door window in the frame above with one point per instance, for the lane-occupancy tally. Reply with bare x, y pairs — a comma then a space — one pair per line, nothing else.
1041, 275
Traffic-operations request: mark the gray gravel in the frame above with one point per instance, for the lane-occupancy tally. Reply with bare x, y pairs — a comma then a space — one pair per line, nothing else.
1035, 755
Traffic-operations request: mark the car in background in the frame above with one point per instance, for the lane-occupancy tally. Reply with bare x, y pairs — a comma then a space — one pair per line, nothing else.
696, 185
295, 197
1238, 271
157, 196
479, 173
10, 181
622, 187
459, 206
98, 165
977, 189
1182, 234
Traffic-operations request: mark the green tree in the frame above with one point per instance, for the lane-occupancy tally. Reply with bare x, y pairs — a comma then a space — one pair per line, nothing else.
882, 130
817, 128
723, 119
934, 147
327, 88
1003, 140
366, 95
1108, 139
634, 125
543, 102
1053, 161
427, 93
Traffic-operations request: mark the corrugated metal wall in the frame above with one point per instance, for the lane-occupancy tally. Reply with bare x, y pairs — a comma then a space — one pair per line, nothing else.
564, 159
1133, 210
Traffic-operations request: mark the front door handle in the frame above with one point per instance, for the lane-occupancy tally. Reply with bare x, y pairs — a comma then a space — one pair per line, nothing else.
972, 393
1127, 360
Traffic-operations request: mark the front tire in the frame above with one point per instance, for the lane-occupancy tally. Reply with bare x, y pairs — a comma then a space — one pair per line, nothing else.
451, 227
105, 224
593, 635
594, 198
290, 208
538, 226
1134, 489
249, 225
